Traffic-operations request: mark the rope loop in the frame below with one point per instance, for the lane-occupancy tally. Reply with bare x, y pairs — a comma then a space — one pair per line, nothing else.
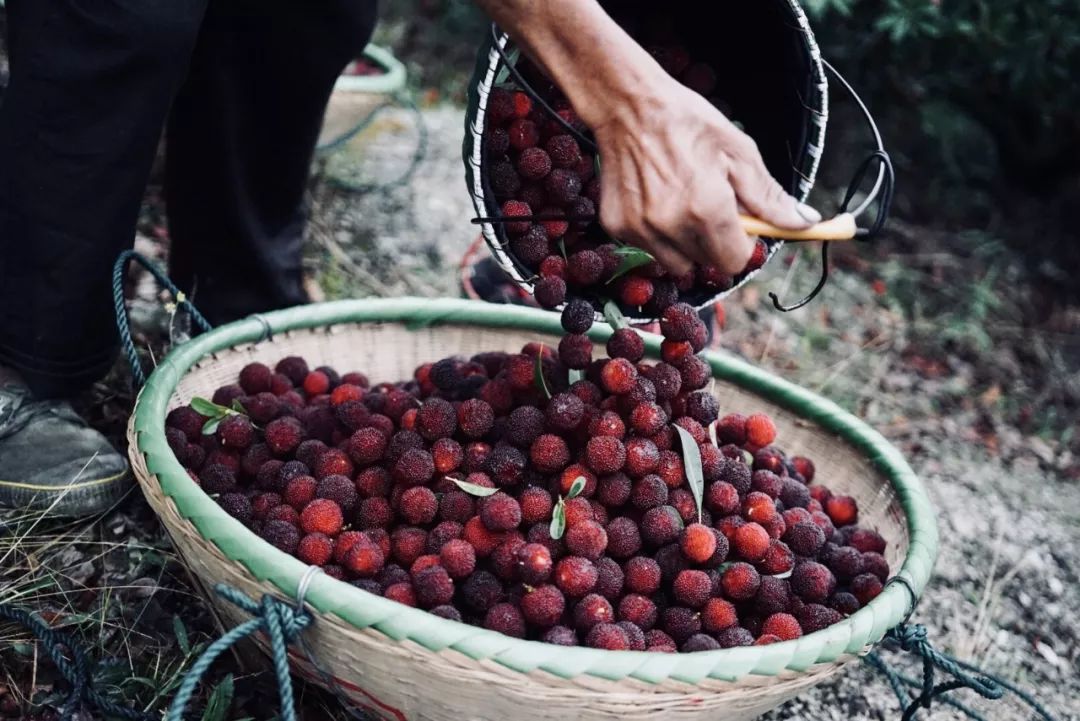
913, 638
123, 325
282, 623
78, 671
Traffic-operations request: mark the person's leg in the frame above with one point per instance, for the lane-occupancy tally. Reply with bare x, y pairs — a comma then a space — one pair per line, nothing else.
81, 117
239, 145
89, 90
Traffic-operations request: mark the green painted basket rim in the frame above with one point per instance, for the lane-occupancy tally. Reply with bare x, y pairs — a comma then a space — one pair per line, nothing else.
398, 622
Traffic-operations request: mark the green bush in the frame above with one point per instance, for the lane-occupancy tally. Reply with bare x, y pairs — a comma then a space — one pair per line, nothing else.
1005, 65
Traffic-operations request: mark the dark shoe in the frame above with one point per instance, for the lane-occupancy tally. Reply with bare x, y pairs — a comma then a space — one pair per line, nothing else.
50, 459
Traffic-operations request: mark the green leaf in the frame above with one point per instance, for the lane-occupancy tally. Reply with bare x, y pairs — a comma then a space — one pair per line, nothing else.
205, 408
576, 487
558, 520
692, 466
630, 258
538, 374
562, 249
211, 425
472, 489
712, 433
180, 631
614, 316
220, 700
238, 406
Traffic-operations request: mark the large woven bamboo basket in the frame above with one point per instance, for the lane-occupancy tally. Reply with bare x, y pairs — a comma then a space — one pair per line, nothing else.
403, 663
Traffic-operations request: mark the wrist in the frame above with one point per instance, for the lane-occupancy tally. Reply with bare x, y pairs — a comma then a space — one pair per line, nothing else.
628, 89
603, 72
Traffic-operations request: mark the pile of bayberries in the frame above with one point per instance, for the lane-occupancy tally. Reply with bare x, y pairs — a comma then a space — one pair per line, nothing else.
536, 169
544, 495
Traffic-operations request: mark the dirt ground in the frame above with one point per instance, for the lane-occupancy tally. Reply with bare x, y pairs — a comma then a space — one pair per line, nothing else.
923, 335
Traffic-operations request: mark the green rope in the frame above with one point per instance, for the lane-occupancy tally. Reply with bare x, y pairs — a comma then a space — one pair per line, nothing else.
78, 671
913, 639
282, 624
123, 326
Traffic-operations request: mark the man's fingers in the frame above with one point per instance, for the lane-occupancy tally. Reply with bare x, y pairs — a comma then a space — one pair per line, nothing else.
727, 246
718, 233
759, 192
656, 242
669, 256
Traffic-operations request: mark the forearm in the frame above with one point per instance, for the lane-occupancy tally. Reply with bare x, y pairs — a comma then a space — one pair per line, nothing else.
596, 64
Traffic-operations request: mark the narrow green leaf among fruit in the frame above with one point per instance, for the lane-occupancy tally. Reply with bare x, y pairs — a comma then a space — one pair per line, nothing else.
472, 489
692, 466
576, 488
629, 258
538, 374
205, 408
558, 520
211, 425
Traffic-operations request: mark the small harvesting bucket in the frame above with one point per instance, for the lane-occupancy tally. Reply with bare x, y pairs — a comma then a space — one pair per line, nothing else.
770, 78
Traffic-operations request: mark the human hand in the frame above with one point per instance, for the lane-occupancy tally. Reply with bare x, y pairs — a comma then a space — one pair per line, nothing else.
675, 175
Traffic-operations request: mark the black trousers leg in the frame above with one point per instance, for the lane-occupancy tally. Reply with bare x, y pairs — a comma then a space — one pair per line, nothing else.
90, 88
240, 141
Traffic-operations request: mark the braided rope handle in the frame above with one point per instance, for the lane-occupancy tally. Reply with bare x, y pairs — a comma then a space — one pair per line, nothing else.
282, 624
913, 639
77, 671
123, 324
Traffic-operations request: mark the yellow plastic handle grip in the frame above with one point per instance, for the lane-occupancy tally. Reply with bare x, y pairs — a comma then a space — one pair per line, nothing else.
841, 227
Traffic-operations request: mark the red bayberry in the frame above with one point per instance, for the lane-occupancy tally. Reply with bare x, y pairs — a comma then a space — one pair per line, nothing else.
543, 606
812, 582
740, 581
550, 290
698, 543
533, 164
618, 376
364, 558
718, 614
661, 525
607, 636
751, 542
587, 539
842, 510
692, 588
642, 575
866, 587
534, 562
575, 576
605, 454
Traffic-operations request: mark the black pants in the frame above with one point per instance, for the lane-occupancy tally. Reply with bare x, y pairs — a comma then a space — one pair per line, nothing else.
241, 86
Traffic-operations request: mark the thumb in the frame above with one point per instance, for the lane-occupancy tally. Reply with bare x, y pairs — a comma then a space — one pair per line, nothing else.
761, 195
